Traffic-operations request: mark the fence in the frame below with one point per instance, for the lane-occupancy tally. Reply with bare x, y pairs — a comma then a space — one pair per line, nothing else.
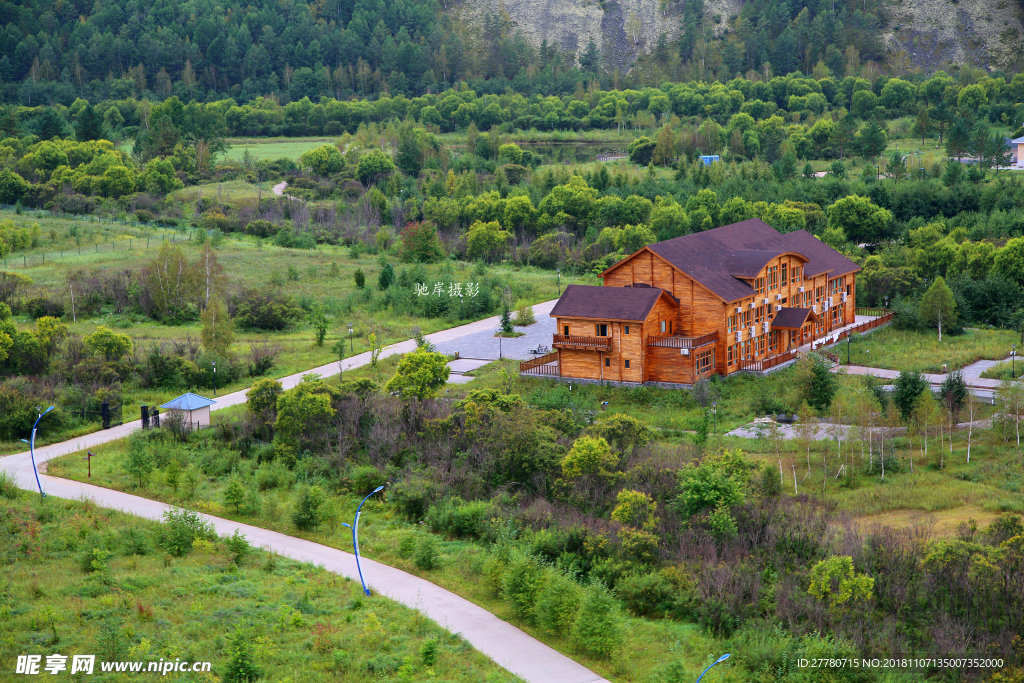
546, 365
767, 363
108, 415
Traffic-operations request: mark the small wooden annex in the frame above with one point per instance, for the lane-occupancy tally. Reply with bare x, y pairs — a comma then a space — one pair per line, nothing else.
738, 297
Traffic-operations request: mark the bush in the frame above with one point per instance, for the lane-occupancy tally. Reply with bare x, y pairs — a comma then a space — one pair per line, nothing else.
366, 478
260, 228
8, 489
456, 517
425, 556
520, 583
181, 528
413, 497
647, 595
558, 602
307, 515
238, 545
264, 309
598, 629
524, 316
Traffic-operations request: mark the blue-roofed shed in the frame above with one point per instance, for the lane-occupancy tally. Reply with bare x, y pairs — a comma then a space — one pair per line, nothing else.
193, 409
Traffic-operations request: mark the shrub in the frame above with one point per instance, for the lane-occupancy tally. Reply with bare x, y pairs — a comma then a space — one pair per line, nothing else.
425, 556
647, 595
260, 228
558, 602
412, 497
8, 489
238, 545
241, 667
307, 515
366, 478
264, 309
598, 629
181, 528
520, 583
456, 517
524, 316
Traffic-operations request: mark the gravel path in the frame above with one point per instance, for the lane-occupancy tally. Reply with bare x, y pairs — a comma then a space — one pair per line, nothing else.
507, 645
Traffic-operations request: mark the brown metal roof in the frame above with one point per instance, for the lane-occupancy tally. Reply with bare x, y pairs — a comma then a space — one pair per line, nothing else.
607, 303
715, 257
791, 318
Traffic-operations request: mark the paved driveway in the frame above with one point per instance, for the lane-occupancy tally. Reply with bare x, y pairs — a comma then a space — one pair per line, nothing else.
484, 345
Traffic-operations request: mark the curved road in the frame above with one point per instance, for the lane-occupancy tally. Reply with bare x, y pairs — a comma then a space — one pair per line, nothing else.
508, 646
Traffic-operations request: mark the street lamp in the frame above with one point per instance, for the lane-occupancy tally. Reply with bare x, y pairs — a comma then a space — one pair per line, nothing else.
500, 333
214, 364
32, 447
351, 343
355, 536
717, 661
714, 414
1013, 362
558, 273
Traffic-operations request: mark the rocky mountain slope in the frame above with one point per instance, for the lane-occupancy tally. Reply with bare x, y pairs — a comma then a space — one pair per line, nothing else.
918, 33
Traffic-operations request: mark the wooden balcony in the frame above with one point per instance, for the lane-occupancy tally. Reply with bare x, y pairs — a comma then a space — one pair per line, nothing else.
677, 342
578, 341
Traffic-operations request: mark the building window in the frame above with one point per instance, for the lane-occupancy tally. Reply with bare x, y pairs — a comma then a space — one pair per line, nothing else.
625, 329
773, 277
759, 282
732, 354
731, 323
796, 273
602, 329
565, 330
784, 280
704, 362
627, 364
607, 362
663, 327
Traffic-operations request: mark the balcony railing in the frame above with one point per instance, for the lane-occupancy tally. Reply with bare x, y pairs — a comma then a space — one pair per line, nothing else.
767, 363
676, 342
546, 365
578, 341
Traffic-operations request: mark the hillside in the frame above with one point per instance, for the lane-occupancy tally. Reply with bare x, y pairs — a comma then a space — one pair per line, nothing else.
927, 34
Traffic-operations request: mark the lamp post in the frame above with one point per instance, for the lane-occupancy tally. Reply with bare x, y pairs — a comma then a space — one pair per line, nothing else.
714, 416
1013, 362
355, 537
32, 447
351, 343
214, 364
717, 661
500, 333
848, 338
558, 274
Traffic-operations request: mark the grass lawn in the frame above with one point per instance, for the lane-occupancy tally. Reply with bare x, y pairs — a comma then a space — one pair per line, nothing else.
650, 647
140, 603
923, 352
273, 147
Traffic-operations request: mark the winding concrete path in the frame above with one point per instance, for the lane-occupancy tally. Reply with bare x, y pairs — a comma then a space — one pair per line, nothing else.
507, 645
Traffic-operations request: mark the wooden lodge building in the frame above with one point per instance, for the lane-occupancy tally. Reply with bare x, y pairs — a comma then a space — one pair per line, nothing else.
738, 297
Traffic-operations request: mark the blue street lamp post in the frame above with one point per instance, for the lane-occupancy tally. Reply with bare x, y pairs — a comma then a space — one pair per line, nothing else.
355, 537
32, 448
717, 661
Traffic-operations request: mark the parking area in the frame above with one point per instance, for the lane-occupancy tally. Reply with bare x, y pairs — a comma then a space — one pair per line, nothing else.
485, 346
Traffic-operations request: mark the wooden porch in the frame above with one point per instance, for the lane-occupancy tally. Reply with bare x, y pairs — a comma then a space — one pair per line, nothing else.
678, 342
544, 366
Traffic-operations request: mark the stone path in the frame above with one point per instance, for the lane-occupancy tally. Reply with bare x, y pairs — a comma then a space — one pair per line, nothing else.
971, 373
507, 645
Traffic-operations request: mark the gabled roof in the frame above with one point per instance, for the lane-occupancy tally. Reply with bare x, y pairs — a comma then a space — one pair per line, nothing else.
1017, 141
714, 257
608, 303
188, 401
791, 318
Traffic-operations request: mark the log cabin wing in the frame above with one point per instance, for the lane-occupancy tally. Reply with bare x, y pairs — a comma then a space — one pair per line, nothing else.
713, 302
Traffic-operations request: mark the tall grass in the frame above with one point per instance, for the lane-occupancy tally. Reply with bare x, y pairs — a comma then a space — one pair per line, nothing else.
923, 352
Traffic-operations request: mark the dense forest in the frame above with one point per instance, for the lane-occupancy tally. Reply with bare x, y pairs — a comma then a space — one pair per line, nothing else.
208, 50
